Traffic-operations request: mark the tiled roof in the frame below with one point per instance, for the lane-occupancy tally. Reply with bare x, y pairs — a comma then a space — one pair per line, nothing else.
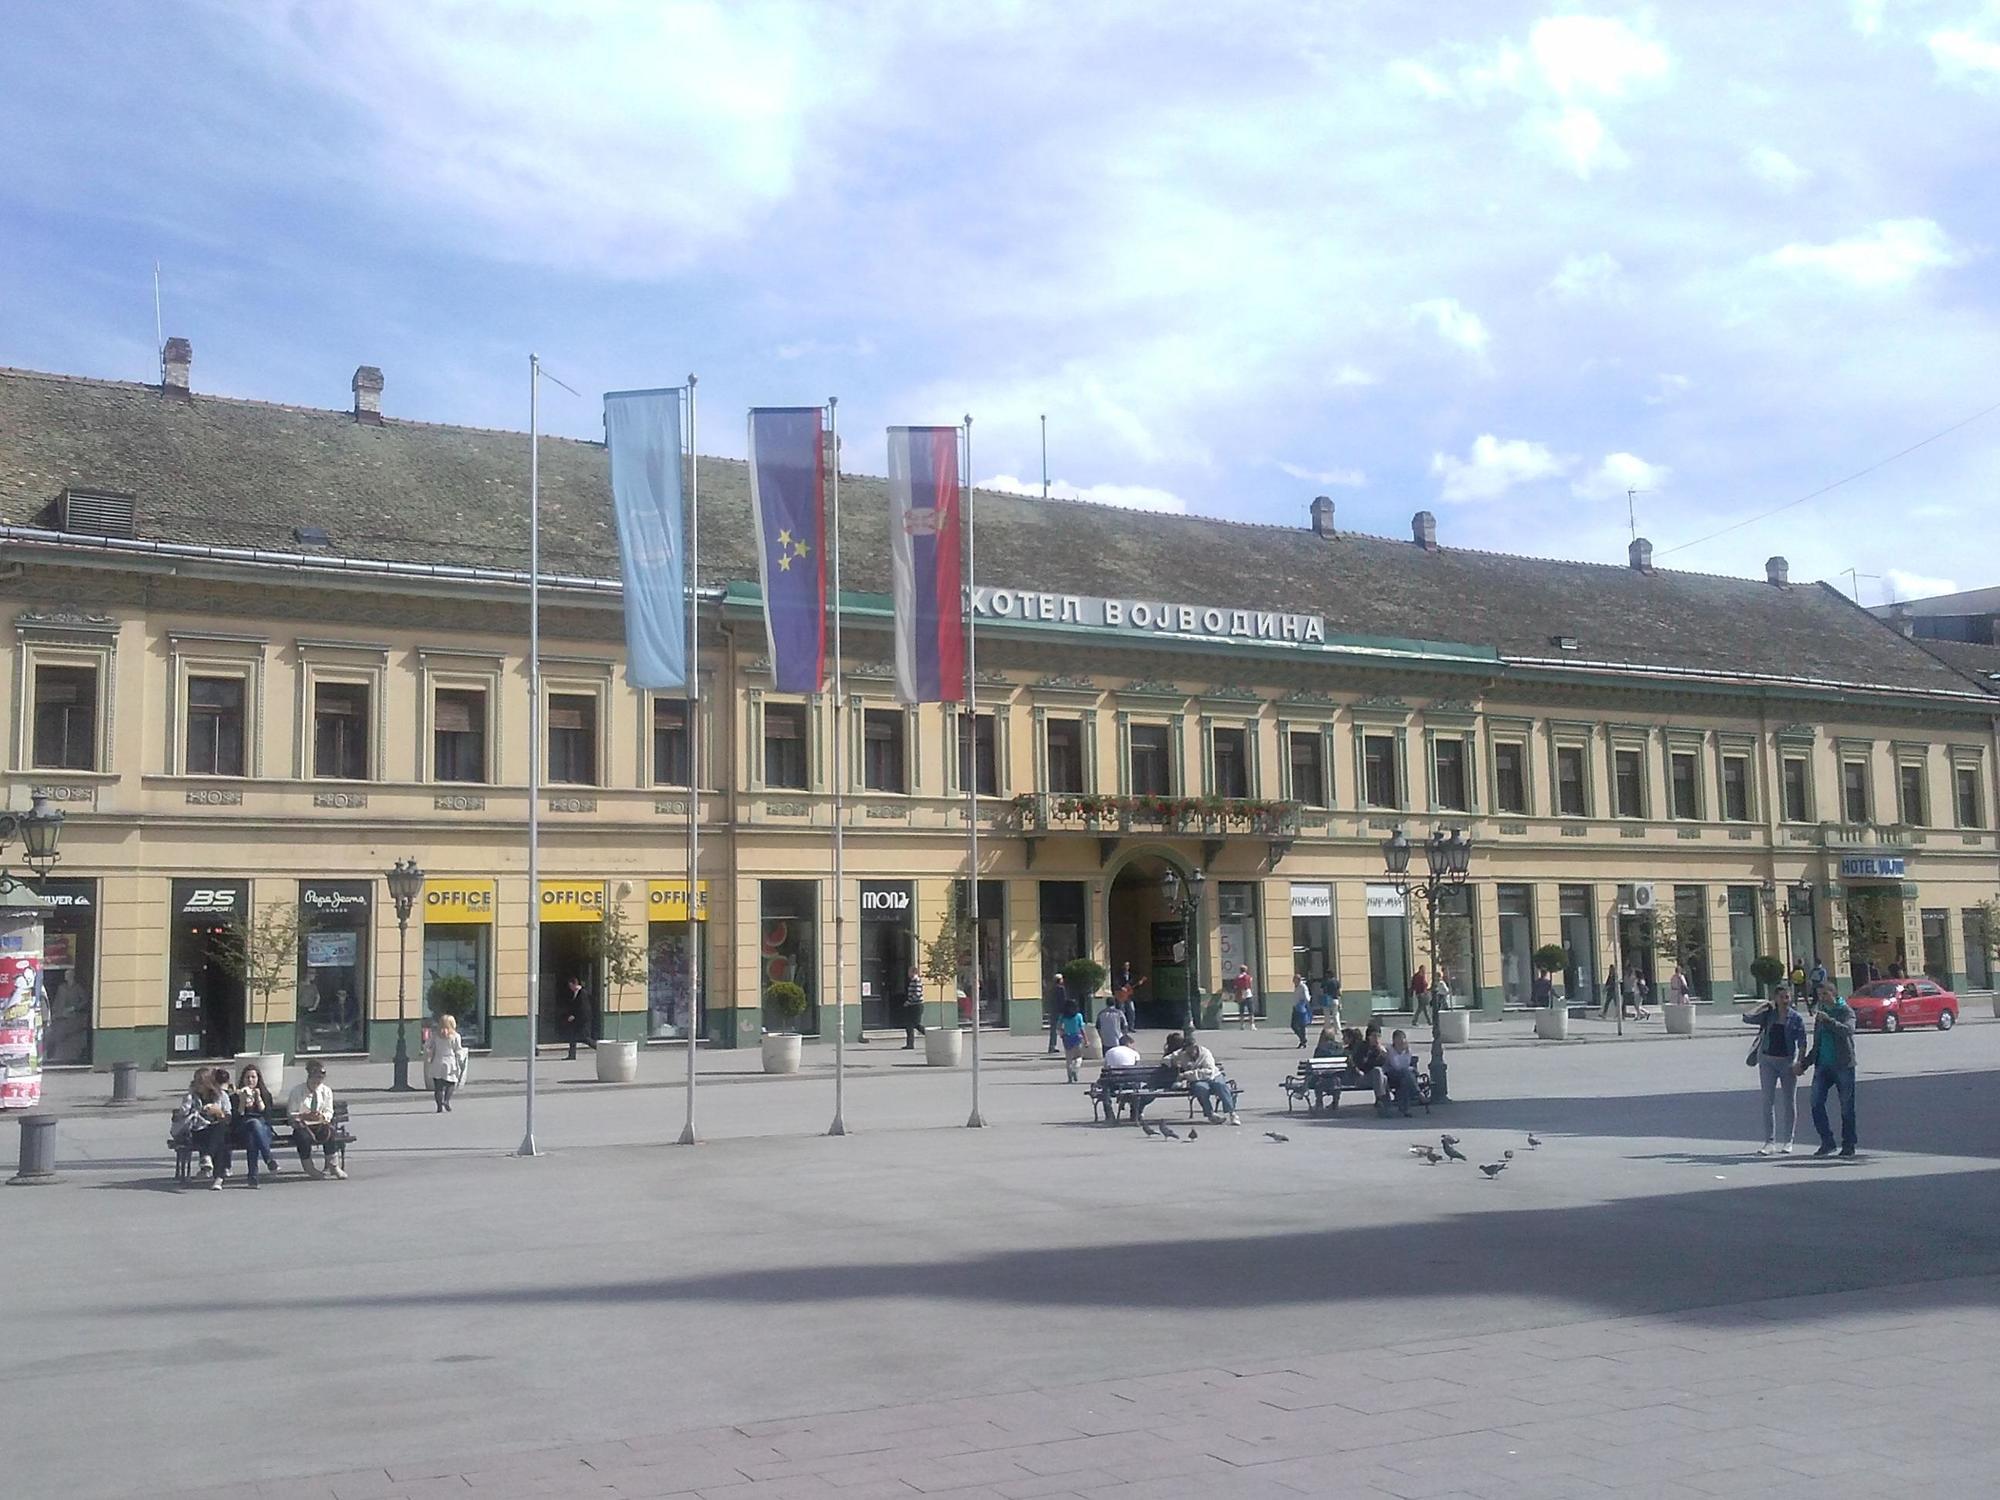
244, 473
1979, 662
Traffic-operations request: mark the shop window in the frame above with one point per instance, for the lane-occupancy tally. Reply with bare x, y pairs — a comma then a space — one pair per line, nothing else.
458, 734
1571, 800
978, 755
1064, 744
1736, 788
334, 923
1379, 781
1308, 769
1854, 791
458, 976
69, 964
882, 750
214, 726
1510, 777
1797, 776
1685, 771
1932, 928
786, 764
1231, 750
671, 947
991, 949
1965, 782
573, 739
1579, 941
1448, 765
65, 718
340, 731
1152, 764
1978, 948
889, 951
788, 946
1454, 947
1517, 942
1628, 782
1742, 937
1389, 965
670, 742
1691, 937
1912, 804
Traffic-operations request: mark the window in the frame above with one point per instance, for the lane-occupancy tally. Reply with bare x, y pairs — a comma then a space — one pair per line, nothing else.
1571, 801
66, 718
1742, 938
1517, 942
1628, 775
1686, 771
1448, 758
1736, 788
1798, 790
670, 742
1854, 791
1378, 771
573, 739
215, 726
340, 731
978, 754
1510, 777
1232, 762
1065, 752
458, 734
1151, 763
785, 762
882, 750
1308, 770
1912, 802
1965, 779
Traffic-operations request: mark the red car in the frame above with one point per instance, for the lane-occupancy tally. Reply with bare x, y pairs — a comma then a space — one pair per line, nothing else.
1892, 1004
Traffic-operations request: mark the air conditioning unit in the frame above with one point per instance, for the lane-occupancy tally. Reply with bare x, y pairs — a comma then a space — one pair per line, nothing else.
1642, 897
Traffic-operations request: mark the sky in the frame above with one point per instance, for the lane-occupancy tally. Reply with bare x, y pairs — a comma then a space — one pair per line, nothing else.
1504, 262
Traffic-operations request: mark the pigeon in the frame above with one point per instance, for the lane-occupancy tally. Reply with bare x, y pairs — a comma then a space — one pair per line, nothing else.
1149, 1127
1170, 1133
1495, 1170
1449, 1140
1280, 1139
1420, 1150
1533, 1140
1507, 1155
1428, 1153
1193, 1134
1452, 1150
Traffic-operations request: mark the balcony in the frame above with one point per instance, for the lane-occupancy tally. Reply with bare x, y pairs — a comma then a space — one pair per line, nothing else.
1212, 819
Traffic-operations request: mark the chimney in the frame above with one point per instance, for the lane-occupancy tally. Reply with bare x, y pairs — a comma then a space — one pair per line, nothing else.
1777, 572
175, 357
1642, 555
367, 386
1322, 515
1901, 619
1424, 530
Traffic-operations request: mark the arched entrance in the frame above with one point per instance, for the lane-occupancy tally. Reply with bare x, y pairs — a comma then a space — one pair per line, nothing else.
1141, 930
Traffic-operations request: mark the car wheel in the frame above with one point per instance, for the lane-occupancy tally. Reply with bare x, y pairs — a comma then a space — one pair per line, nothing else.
1891, 1023
1947, 1019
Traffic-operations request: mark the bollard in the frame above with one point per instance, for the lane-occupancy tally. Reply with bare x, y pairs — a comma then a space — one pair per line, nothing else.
38, 1152
124, 1083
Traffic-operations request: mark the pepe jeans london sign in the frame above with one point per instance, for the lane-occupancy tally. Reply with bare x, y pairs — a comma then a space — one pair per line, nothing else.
1148, 616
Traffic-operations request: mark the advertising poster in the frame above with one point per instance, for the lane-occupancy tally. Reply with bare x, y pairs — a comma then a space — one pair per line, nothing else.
22, 1016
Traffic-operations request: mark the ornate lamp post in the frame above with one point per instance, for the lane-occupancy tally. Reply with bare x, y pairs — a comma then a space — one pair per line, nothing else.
1447, 857
1183, 899
39, 829
406, 883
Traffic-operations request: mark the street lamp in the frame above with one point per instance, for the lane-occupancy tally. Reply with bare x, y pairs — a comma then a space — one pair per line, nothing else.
39, 829
406, 883
1183, 898
1447, 857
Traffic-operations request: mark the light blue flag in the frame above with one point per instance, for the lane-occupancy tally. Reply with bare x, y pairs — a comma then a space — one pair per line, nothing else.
643, 431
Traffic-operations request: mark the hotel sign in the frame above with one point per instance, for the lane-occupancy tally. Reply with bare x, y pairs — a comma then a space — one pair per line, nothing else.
1871, 867
1149, 617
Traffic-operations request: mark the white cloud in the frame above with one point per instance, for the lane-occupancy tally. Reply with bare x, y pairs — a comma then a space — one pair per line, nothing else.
860, 347
1667, 388
1420, 79
1594, 55
1898, 584
1352, 479
1867, 15
1618, 473
1593, 277
1353, 375
1891, 254
1454, 322
1772, 166
1961, 54
1577, 138
1496, 466
1124, 496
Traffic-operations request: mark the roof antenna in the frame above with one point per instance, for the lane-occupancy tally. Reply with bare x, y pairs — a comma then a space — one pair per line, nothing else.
1045, 455
1854, 578
1631, 512
159, 333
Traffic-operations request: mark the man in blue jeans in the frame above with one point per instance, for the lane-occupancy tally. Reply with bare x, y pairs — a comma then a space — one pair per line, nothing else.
1832, 1062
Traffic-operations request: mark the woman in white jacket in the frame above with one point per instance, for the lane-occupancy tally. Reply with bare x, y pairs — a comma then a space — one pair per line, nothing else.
444, 1060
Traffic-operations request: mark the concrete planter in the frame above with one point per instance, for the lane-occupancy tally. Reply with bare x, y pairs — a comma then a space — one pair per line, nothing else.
942, 1048
1552, 1023
781, 1052
1093, 1044
1455, 1026
270, 1064
1680, 1017
1996, 1005
617, 1062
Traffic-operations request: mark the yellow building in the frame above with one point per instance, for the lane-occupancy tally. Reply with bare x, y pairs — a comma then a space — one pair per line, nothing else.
261, 652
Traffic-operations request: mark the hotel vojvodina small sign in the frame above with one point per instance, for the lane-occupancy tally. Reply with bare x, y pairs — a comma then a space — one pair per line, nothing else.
1149, 616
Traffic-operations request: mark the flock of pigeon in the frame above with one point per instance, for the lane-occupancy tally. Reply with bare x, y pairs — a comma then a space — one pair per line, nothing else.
1429, 1155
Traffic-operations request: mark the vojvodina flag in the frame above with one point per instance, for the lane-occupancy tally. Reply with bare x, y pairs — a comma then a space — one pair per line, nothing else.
788, 498
642, 429
924, 553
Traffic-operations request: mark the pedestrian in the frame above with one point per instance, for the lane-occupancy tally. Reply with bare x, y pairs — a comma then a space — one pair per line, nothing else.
576, 1018
1124, 994
1440, 990
1329, 998
1058, 1004
1779, 1049
1637, 993
1111, 1023
310, 1107
1614, 994
1302, 1011
1420, 994
1244, 986
1818, 976
913, 1009
252, 1131
1679, 990
1072, 1028
1832, 1062
444, 1060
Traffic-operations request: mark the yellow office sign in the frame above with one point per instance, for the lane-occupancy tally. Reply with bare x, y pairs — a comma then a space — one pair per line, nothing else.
459, 901
572, 901
667, 900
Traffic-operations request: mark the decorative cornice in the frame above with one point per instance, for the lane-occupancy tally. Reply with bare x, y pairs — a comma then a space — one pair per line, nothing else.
1232, 695
1150, 687
1308, 698
1052, 682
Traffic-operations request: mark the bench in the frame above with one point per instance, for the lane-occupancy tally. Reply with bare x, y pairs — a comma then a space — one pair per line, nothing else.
185, 1154
1132, 1088
1320, 1081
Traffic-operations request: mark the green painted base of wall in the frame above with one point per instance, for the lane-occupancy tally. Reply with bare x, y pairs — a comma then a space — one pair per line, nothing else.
727, 1028
283, 1038
1024, 1018
144, 1045
1492, 1001
508, 1035
624, 1026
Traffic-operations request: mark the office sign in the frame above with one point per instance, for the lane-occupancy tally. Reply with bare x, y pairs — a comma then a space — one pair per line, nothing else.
1149, 616
459, 901
1312, 900
572, 901
667, 900
1872, 866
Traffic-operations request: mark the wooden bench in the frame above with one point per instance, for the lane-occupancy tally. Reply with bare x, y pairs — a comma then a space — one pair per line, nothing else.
185, 1154
1132, 1088
1320, 1081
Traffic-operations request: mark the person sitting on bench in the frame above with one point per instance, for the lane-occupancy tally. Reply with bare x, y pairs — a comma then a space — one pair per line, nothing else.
1164, 1075
1206, 1080
1400, 1067
1123, 1053
1331, 1042
310, 1106
1369, 1060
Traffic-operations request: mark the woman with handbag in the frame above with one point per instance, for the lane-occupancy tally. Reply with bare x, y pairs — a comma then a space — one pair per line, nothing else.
1781, 1042
444, 1060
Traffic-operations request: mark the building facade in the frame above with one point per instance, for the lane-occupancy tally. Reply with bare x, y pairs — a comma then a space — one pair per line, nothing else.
261, 652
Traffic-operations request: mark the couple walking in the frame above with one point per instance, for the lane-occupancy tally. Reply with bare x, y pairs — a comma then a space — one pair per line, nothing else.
1782, 1055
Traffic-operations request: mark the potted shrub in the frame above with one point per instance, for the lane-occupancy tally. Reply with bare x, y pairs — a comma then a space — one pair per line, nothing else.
781, 1048
614, 944
1082, 977
946, 957
262, 952
1767, 971
1552, 1019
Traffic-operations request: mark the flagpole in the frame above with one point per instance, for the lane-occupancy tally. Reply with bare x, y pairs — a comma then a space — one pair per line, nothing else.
839, 1126
696, 932
528, 1146
976, 1120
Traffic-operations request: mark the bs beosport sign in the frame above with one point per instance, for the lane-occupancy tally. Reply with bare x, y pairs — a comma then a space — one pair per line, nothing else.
1149, 617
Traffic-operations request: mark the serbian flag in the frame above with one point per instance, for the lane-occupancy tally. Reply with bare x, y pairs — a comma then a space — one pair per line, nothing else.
788, 498
642, 430
924, 552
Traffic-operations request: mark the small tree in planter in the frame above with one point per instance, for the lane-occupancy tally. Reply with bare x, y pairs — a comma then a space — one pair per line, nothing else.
262, 953
1551, 959
787, 1001
1767, 971
1082, 978
623, 954
452, 995
950, 953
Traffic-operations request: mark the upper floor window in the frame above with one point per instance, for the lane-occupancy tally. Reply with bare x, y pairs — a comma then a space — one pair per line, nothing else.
1308, 770
1152, 762
1380, 785
1510, 777
214, 726
1571, 800
1736, 788
458, 734
1854, 791
785, 760
978, 755
1065, 754
1797, 778
670, 742
1628, 783
573, 738
1685, 768
340, 731
1232, 762
882, 750
1965, 782
1448, 757
1914, 806
65, 718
